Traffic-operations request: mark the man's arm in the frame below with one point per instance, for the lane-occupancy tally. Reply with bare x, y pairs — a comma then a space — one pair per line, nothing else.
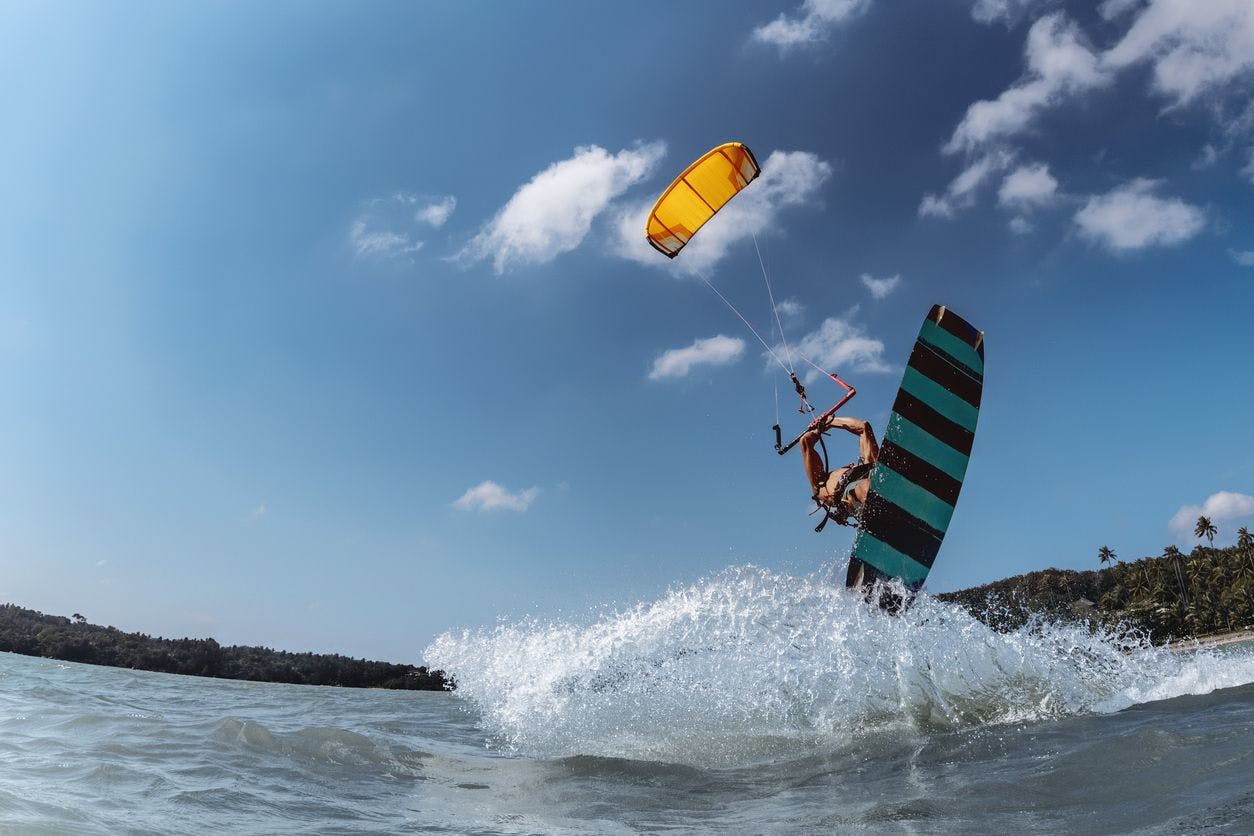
857, 426
868, 449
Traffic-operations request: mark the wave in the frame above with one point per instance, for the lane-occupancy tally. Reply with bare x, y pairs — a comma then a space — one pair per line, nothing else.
322, 746
749, 665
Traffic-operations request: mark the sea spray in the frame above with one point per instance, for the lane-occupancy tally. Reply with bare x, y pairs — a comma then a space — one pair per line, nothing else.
749, 665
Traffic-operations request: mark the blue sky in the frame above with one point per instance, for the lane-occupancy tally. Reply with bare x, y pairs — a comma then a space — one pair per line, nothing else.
332, 327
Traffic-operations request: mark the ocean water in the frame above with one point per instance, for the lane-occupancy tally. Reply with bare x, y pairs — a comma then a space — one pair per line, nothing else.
747, 703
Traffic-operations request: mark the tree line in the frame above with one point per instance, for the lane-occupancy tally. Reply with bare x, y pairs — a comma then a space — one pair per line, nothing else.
32, 633
1171, 596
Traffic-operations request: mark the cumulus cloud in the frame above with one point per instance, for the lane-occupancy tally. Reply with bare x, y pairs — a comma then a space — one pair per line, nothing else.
437, 213
1193, 47
1006, 11
489, 496
933, 206
881, 287
1195, 51
712, 351
961, 192
788, 178
380, 243
1207, 157
790, 308
1059, 63
1245, 258
810, 25
840, 344
1113, 9
1131, 217
552, 213
1224, 506
1020, 225
1028, 186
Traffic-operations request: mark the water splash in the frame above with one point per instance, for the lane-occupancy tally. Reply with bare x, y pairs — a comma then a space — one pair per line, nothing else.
749, 665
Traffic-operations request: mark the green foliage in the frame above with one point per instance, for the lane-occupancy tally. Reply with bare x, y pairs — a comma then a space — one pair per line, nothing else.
1171, 597
54, 637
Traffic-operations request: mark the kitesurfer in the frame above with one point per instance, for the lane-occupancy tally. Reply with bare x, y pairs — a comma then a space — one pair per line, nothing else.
841, 492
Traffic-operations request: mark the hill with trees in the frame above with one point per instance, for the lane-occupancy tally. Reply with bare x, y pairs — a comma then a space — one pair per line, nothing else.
74, 640
1171, 596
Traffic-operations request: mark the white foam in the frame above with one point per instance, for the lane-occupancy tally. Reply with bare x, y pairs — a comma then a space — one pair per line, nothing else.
749, 664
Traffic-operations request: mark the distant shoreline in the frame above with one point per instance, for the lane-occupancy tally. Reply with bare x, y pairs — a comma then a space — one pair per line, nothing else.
1166, 598
32, 633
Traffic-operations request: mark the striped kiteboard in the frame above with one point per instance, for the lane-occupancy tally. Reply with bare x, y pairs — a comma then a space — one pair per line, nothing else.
923, 457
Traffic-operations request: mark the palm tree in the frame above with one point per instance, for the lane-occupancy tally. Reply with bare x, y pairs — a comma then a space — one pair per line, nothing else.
1205, 528
1106, 554
1174, 554
1141, 581
1246, 542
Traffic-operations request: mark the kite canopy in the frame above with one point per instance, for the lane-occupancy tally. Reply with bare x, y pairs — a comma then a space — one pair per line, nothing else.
698, 193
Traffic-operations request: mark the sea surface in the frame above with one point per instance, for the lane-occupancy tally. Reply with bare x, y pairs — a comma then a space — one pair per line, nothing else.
747, 703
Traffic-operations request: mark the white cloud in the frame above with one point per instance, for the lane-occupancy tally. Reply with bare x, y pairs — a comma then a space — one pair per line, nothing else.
790, 308
256, 514
812, 23
1207, 157
840, 344
881, 287
932, 206
1020, 225
961, 192
382, 244
1059, 63
1223, 506
382, 230
1111, 9
437, 213
1194, 47
489, 496
1027, 186
1248, 170
1006, 11
1130, 217
1245, 258
712, 351
552, 213
788, 178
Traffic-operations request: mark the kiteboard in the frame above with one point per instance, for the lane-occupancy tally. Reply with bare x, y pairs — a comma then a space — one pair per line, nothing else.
923, 457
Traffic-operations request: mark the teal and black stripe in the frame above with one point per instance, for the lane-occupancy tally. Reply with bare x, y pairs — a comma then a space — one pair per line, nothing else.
924, 455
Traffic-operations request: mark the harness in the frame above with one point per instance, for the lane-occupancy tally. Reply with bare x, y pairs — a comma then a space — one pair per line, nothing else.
843, 511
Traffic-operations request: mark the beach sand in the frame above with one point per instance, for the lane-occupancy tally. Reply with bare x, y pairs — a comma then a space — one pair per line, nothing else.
1216, 640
